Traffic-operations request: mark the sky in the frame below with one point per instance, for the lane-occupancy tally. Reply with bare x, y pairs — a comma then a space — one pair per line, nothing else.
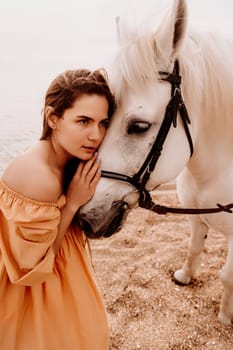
40, 39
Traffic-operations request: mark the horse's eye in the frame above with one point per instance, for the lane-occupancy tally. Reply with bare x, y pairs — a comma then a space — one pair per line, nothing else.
138, 127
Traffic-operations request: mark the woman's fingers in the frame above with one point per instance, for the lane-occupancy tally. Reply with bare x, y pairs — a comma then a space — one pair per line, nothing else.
88, 165
88, 170
95, 179
84, 182
93, 171
79, 169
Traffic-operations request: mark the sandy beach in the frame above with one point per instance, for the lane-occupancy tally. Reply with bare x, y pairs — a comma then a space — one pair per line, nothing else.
147, 310
134, 269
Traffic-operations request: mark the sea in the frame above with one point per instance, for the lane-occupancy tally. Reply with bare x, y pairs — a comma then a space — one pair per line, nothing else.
17, 133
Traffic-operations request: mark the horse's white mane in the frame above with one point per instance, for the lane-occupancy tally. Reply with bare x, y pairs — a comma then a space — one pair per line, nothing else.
136, 59
207, 73
206, 66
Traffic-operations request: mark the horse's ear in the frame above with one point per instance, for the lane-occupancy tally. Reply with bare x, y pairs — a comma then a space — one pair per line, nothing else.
170, 34
118, 29
124, 34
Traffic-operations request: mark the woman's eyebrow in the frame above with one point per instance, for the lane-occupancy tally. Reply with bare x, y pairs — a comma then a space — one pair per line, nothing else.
83, 116
90, 118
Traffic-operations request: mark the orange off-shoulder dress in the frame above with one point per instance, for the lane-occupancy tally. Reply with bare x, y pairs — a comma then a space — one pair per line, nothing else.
46, 302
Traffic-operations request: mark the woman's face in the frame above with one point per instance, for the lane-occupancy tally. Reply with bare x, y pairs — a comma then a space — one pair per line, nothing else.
82, 127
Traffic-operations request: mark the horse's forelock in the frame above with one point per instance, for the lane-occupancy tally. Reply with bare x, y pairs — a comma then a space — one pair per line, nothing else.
137, 61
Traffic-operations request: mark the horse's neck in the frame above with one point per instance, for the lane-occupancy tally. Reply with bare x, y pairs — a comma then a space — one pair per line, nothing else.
208, 90
210, 159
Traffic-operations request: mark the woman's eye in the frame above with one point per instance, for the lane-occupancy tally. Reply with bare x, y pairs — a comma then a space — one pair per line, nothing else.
83, 121
138, 127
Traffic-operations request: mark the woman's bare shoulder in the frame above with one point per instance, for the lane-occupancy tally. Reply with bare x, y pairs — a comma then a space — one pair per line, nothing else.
31, 177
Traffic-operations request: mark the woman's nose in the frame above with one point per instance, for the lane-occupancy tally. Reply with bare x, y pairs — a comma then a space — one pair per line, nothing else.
96, 133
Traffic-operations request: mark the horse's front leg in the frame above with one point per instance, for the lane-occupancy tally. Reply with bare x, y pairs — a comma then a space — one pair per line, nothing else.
226, 307
198, 234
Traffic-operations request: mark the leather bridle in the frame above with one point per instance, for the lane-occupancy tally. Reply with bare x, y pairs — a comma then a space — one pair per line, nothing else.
174, 108
176, 103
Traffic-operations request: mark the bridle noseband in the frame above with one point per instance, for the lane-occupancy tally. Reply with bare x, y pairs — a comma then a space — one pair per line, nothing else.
175, 105
140, 179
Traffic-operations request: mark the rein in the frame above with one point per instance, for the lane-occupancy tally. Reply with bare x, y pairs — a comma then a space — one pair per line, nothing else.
140, 179
162, 210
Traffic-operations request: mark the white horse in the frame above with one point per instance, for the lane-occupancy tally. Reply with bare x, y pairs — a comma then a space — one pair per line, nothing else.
143, 91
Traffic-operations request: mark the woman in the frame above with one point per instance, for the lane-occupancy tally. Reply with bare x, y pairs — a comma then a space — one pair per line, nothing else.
48, 296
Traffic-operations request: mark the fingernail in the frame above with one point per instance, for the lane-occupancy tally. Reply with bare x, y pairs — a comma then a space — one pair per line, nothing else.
99, 171
95, 154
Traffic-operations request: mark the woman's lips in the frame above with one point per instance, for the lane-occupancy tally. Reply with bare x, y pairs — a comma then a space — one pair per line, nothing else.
89, 149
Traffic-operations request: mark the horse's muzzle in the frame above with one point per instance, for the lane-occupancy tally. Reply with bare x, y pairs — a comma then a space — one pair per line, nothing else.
108, 225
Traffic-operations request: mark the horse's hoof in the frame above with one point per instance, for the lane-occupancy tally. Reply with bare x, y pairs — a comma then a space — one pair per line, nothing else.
180, 279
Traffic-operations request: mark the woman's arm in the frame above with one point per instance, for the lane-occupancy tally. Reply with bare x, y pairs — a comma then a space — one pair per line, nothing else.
80, 191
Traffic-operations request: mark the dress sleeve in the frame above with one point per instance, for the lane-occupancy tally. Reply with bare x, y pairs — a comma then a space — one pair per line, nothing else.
28, 229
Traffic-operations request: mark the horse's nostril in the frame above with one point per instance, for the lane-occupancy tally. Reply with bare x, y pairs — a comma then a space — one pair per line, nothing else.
85, 226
